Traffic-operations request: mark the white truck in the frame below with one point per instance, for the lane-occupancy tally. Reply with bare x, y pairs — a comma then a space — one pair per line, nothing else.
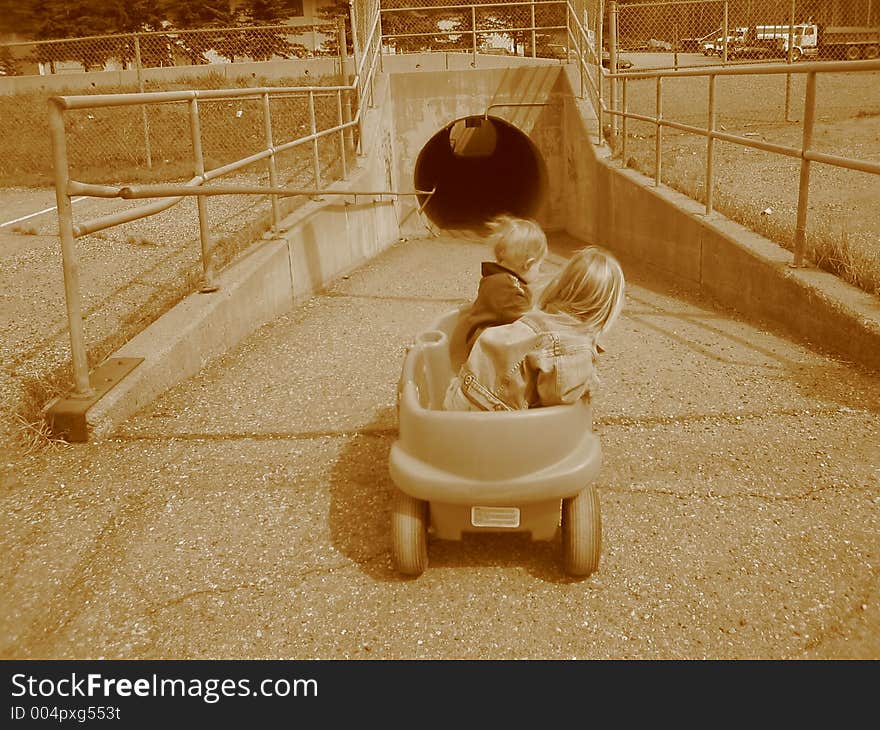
808, 40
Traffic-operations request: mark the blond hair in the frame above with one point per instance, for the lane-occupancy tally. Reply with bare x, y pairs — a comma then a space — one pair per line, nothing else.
517, 242
590, 287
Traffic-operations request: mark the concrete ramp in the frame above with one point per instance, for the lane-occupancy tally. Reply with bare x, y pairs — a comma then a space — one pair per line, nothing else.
552, 166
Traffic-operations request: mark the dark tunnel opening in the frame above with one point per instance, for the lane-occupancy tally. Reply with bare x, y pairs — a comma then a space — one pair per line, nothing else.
480, 167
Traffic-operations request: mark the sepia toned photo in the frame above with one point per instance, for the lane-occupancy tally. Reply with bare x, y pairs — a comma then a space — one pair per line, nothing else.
435, 330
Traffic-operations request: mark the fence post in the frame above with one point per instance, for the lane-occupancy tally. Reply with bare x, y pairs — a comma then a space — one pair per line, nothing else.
208, 285
316, 162
710, 148
273, 167
474, 33
140, 77
789, 60
800, 233
534, 36
658, 138
82, 384
612, 67
724, 32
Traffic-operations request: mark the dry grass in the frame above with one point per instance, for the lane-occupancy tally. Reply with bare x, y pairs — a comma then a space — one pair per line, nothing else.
108, 143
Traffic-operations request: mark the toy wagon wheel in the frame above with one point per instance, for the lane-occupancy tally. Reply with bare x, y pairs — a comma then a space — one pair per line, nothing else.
581, 532
409, 534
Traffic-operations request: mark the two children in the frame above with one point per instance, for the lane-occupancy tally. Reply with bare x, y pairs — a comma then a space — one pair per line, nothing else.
547, 355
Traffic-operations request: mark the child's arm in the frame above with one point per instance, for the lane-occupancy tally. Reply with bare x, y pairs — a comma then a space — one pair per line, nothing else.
563, 379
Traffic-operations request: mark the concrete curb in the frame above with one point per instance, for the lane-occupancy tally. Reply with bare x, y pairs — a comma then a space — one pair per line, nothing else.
737, 267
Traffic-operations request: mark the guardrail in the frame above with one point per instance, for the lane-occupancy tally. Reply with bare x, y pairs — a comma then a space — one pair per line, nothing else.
805, 152
348, 128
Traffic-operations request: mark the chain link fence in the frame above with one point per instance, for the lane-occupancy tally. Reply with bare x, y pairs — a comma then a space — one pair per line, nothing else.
746, 30
162, 49
516, 28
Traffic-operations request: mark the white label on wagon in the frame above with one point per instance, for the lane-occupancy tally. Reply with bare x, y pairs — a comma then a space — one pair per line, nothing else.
495, 516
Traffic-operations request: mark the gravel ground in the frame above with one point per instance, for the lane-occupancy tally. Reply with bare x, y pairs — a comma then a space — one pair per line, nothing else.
245, 513
129, 275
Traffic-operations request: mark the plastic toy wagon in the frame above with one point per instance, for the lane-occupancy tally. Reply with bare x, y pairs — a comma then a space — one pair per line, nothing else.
502, 471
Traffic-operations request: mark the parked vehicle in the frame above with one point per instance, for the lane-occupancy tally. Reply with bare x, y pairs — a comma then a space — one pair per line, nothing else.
848, 42
808, 40
716, 47
622, 63
696, 45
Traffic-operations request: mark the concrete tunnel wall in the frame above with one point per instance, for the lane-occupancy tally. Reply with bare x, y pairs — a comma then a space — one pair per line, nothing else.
425, 102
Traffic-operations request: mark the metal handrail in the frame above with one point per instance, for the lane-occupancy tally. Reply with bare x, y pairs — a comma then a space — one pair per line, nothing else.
65, 187
160, 190
805, 152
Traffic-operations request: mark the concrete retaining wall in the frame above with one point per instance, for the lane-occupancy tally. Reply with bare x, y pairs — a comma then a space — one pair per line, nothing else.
319, 242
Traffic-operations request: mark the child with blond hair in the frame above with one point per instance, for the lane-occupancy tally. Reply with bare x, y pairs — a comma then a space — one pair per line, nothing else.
547, 357
520, 247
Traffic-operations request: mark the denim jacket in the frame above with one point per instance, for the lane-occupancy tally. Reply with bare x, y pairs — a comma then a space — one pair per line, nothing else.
541, 359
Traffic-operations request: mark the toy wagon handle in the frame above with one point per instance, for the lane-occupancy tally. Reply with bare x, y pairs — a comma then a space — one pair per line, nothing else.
437, 369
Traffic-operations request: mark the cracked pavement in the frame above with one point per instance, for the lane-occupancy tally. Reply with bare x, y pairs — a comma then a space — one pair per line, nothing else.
245, 513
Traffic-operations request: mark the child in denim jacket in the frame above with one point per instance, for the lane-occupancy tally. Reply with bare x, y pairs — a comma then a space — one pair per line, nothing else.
547, 357
503, 295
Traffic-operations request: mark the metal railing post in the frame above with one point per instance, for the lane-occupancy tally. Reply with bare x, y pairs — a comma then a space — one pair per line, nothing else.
534, 36
271, 163
82, 384
612, 66
356, 57
568, 33
600, 44
340, 121
140, 77
474, 33
379, 29
658, 137
710, 148
208, 284
623, 125
581, 61
789, 60
800, 233
346, 78
313, 127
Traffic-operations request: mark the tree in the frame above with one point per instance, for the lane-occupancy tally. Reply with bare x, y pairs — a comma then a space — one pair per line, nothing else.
329, 13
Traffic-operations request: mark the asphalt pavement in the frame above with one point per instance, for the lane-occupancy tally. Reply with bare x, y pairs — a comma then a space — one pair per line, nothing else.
245, 513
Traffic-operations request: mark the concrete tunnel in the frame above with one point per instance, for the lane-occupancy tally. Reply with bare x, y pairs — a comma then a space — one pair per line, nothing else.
480, 166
